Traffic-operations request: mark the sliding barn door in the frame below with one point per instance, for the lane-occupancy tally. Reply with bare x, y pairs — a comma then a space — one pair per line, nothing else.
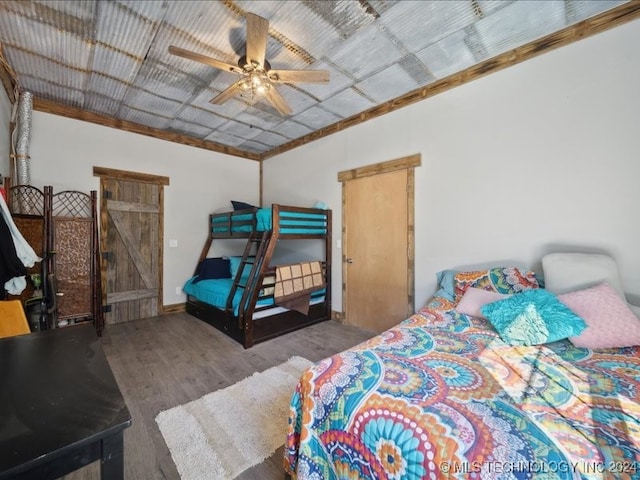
378, 271
131, 220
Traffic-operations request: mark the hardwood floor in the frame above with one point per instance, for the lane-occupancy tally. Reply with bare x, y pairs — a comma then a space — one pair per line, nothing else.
166, 361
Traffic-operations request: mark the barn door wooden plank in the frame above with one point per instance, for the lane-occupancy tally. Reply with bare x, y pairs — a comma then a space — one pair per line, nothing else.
130, 192
118, 297
110, 246
148, 235
132, 249
131, 207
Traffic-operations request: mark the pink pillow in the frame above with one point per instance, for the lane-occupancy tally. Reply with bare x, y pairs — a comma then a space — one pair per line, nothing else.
476, 298
610, 322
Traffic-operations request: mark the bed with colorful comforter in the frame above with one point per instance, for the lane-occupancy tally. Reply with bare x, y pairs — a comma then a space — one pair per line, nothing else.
442, 396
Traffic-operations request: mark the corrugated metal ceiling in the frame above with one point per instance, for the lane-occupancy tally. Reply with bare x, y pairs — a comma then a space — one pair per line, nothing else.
111, 58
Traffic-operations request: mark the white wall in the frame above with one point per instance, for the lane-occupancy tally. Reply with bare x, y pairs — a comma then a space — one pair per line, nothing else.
542, 156
64, 152
5, 119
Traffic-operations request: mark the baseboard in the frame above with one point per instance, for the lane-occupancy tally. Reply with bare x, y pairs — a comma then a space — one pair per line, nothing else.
174, 308
338, 316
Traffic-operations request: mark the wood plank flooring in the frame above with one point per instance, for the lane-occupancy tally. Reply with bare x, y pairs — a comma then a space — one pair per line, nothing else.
170, 360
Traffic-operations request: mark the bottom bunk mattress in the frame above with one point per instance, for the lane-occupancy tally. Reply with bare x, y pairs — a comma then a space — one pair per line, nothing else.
216, 291
442, 396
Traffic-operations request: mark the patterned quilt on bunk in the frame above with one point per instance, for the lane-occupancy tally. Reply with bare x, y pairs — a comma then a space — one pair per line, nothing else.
442, 396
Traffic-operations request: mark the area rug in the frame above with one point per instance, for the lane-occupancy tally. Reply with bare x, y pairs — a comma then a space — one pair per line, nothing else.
227, 431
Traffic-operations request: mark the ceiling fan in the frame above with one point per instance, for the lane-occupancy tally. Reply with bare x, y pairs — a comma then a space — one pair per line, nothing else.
257, 79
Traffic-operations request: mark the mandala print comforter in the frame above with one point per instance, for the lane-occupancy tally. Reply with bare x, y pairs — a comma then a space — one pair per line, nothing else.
441, 396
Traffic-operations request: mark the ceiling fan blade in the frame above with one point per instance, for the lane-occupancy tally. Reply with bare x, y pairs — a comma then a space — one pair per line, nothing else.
257, 31
301, 76
278, 101
196, 57
225, 95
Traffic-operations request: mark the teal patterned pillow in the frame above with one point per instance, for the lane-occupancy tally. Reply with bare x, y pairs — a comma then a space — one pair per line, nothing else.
533, 317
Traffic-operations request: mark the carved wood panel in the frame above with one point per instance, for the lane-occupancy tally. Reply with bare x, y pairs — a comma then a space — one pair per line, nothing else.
72, 246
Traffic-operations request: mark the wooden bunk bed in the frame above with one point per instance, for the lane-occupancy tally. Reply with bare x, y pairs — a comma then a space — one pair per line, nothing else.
249, 315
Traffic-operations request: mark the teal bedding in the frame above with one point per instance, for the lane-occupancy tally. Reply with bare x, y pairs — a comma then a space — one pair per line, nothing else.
215, 292
290, 222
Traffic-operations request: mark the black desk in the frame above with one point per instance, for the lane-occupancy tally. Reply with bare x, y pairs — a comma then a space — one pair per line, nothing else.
60, 406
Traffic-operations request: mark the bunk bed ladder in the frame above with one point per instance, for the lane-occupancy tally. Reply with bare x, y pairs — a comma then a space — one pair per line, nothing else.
260, 240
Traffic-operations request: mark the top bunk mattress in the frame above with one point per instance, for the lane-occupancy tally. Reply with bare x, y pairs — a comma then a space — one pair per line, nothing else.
294, 223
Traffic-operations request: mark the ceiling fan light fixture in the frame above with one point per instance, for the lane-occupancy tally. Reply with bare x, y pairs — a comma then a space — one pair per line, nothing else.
254, 84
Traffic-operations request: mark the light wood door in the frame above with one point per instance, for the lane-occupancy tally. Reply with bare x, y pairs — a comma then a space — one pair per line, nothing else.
131, 242
377, 248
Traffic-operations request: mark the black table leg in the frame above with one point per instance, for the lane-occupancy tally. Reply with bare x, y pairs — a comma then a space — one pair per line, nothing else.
112, 463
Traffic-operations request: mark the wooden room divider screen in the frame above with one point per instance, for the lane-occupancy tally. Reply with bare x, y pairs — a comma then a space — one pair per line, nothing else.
62, 228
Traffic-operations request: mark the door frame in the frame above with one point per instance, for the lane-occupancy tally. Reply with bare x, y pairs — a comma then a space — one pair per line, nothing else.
404, 163
161, 182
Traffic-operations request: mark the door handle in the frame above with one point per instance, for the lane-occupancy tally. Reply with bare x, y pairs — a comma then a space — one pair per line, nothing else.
349, 260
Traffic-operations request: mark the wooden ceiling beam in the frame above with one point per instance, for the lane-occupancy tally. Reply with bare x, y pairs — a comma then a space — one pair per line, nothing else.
605, 21
76, 113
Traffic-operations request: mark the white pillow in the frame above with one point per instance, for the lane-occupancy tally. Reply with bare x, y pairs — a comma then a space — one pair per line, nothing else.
566, 272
